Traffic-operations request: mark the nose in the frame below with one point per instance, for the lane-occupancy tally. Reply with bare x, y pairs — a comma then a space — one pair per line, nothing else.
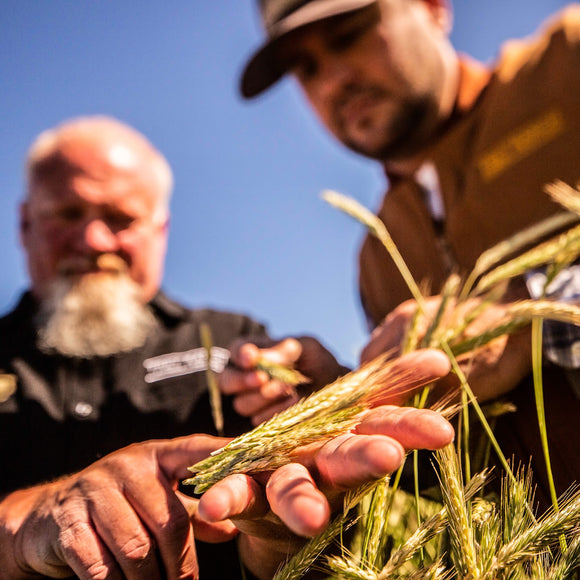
334, 73
99, 237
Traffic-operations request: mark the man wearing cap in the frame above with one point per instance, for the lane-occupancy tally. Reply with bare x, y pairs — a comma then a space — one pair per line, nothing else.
467, 150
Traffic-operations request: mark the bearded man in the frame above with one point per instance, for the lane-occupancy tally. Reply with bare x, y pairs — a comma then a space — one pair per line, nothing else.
102, 358
99, 356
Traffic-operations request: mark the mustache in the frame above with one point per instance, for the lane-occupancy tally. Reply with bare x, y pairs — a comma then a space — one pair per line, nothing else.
108, 262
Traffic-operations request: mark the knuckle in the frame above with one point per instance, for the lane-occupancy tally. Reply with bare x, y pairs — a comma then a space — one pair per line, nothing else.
174, 527
138, 549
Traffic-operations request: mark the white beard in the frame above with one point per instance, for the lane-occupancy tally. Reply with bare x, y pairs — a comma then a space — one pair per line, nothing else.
94, 315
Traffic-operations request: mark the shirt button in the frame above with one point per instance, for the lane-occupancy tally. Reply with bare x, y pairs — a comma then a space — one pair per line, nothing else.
83, 409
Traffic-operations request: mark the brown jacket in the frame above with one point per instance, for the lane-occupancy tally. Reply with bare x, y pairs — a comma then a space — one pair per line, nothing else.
514, 131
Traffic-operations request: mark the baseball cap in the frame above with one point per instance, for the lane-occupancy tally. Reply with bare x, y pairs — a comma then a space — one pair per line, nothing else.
280, 17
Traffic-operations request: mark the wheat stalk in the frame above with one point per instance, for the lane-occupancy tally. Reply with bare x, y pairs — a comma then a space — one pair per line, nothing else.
305, 558
378, 229
537, 537
565, 195
564, 247
516, 243
326, 413
284, 374
212, 384
460, 531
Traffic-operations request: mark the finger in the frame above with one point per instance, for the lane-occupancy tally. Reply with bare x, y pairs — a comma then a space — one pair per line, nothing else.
295, 499
236, 495
175, 455
389, 334
168, 522
412, 428
244, 354
233, 381
132, 547
80, 547
92, 561
250, 403
247, 356
351, 460
411, 372
385, 337
158, 507
286, 352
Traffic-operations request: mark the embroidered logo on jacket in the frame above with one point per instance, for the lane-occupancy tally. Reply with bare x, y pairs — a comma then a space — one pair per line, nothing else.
520, 143
176, 364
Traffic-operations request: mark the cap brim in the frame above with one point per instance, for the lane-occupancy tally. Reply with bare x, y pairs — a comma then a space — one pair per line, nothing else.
263, 69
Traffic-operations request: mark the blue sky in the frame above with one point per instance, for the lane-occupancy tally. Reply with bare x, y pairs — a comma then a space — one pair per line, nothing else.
249, 231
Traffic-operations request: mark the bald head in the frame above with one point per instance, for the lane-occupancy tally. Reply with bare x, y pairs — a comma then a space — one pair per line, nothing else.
103, 146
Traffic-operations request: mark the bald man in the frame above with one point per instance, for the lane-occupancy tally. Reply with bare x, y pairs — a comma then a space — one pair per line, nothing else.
101, 356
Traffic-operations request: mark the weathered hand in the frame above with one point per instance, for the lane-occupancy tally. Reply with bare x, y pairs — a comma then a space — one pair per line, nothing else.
121, 517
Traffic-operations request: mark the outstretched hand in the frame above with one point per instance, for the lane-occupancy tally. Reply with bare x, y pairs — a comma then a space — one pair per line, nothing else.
122, 517
296, 500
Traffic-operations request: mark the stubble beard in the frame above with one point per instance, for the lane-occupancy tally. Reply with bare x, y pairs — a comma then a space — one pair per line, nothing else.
395, 137
95, 315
